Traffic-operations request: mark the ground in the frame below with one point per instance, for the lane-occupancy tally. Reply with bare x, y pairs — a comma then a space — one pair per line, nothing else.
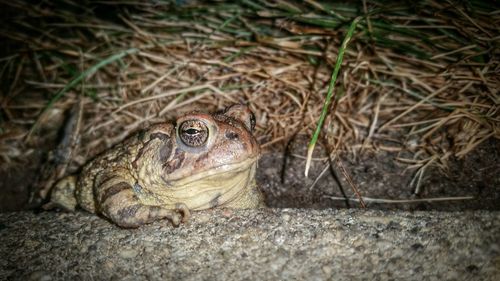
377, 175
266, 244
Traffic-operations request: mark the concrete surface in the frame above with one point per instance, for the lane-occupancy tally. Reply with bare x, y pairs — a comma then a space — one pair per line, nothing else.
271, 244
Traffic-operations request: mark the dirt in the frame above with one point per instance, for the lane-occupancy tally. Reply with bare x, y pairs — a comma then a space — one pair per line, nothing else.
14, 189
16, 183
377, 175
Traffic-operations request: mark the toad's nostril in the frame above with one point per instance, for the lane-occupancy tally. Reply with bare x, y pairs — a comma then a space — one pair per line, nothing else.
232, 135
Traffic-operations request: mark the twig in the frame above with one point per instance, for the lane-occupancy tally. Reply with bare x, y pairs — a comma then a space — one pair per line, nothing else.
400, 201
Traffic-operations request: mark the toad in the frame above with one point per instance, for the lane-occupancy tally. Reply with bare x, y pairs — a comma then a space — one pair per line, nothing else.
164, 172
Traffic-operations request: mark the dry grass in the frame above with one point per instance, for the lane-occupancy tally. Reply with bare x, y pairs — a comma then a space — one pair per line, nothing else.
420, 80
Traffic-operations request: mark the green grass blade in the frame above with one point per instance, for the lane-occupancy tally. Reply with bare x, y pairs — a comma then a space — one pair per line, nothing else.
78, 79
331, 87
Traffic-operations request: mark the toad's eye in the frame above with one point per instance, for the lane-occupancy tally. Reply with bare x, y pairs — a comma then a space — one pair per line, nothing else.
193, 133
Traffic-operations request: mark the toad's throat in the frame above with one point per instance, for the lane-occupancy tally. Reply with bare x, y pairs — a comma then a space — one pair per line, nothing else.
212, 189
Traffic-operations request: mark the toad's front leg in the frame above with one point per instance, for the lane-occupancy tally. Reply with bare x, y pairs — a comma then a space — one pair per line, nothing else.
118, 202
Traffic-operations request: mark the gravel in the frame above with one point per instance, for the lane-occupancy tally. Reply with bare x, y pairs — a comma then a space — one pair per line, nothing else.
266, 244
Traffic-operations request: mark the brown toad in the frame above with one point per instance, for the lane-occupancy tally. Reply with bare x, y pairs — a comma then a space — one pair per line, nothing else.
204, 161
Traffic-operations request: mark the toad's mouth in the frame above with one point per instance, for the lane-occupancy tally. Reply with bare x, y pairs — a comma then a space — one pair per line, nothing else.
215, 187
215, 174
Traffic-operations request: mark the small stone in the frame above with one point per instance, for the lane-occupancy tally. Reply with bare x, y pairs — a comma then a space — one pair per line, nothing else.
84, 249
327, 270
31, 244
128, 253
203, 217
39, 276
109, 265
286, 217
279, 237
227, 213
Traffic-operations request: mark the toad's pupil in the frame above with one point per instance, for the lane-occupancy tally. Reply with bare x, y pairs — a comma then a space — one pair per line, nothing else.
192, 131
